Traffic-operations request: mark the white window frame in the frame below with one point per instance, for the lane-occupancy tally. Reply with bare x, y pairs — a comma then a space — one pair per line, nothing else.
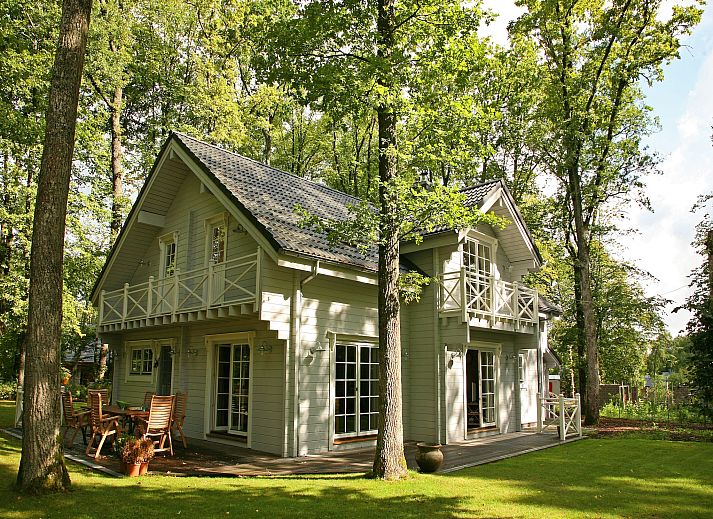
212, 342
483, 239
334, 338
163, 242
357, 395
218, 220
521, 370
155, 347
496, 349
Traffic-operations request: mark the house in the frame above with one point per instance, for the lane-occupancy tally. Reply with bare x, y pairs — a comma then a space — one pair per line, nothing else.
214, 288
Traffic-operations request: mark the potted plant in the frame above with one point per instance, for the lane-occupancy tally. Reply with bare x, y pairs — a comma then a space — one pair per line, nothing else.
65, 375
135, 456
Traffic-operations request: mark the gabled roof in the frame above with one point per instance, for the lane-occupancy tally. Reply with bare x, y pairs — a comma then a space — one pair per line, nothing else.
267, 197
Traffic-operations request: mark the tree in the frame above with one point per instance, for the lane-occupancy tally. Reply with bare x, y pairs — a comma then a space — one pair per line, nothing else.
595, 55
372, 53
42, 465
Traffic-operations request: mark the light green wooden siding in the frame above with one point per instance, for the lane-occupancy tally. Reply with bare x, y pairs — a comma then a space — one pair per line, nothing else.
190, 371
187, 216
420, 411
329, 305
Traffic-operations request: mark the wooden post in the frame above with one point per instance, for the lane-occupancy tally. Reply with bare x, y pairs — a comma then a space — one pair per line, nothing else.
491, 282
563, 433
516, 304
101, 308
125, 304
149, 303
578, 416
176, 274
258, 280
209, 281
463, 294
539, 412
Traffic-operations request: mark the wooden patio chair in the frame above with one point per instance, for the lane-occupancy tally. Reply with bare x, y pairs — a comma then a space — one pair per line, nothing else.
73, 419
104, 394
158, 425
179, 415
147, 400
101, 425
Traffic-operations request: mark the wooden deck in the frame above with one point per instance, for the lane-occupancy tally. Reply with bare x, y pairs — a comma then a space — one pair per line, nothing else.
204, 458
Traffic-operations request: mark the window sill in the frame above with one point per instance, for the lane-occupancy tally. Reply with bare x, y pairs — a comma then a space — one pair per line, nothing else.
354, 439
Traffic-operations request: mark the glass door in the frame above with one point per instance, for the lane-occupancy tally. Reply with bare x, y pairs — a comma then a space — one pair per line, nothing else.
478, 265
487, 388
232, 400
356, 402
216, 258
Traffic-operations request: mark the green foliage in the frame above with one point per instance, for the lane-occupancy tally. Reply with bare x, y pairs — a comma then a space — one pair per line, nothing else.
8, 390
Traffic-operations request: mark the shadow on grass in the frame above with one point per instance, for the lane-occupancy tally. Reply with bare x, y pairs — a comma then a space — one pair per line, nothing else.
627, 478
630, 478
160, 496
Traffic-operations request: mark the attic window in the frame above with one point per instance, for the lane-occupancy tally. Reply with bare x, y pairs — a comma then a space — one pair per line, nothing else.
168, 255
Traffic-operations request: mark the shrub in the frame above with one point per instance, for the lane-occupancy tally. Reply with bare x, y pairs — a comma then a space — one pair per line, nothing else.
8, 390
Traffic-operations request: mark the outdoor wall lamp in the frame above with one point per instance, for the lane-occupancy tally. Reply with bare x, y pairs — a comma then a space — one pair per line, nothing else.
192, 352
264, 348
316, 348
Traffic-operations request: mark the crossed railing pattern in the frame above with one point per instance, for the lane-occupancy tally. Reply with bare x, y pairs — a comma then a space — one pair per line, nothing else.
560, 413
486, 297
232, 282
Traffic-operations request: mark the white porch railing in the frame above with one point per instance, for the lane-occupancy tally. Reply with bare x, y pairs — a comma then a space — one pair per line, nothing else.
232, 282
485, 297
564, 414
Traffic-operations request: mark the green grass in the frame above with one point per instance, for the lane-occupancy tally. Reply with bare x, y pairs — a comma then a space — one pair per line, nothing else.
591, 478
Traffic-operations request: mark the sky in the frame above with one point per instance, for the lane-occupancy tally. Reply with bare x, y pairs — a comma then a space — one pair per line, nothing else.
683, 103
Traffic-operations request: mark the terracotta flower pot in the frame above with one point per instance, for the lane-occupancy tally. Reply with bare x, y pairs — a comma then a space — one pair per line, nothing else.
134, 469
429, 457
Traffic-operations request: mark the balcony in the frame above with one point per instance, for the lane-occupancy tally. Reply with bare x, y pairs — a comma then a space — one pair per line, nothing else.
225, 289
485, 301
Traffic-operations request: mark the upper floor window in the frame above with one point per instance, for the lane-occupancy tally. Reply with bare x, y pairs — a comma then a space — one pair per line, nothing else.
168, 255
217, 238
477, 257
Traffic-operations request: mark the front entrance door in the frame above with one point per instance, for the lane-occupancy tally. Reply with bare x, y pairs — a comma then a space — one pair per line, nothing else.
232, 397
165, 371
480, 388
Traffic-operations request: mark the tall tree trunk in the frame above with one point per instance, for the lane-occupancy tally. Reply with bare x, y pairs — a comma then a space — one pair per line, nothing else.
581, 364
117, 171
389, 460
583, 276
42, 464
103, 354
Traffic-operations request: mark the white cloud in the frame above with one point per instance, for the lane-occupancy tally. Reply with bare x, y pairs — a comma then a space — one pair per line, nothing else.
663, 246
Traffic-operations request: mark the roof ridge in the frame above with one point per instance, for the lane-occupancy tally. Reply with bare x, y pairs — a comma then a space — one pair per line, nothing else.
262, 164
481, 184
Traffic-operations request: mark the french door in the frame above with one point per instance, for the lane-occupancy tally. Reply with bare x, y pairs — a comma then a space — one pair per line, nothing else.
478, 263
480, 381
232, 397
356, 391
487, 385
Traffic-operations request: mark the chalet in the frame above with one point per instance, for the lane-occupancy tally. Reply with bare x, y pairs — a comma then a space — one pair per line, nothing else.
214, 288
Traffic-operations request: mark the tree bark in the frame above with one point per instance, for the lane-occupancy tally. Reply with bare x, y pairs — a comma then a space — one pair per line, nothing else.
103, 354
42, 466
117, 171
389, 460
583, 277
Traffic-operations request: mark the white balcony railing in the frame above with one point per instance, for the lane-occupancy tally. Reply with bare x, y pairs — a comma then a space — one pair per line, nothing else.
232, 282
485, 297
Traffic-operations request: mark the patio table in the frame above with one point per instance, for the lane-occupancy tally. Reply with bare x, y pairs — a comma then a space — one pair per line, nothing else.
128, 415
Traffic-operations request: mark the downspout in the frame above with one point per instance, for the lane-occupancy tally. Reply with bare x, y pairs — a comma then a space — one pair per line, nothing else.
297, 326
540, 362
438, 347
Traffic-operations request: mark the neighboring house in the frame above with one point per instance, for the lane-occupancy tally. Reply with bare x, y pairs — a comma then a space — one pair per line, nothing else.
214, 288
84, 363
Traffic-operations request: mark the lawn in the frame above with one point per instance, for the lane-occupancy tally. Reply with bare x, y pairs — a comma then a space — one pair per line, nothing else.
591, 478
